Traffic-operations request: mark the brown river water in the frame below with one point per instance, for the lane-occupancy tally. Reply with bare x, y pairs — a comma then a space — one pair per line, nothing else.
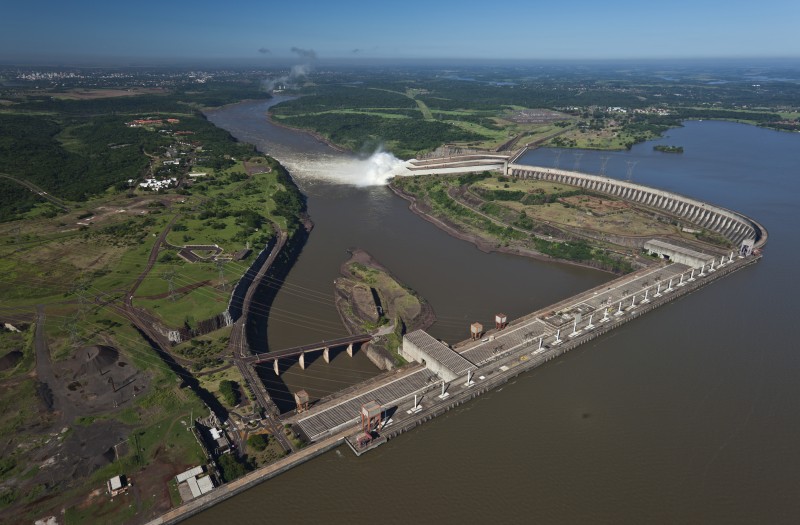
690, 414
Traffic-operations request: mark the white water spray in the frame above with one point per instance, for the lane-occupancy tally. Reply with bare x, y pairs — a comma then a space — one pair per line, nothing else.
373, 171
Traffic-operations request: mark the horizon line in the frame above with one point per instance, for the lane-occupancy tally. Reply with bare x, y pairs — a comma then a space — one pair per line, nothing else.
278, 61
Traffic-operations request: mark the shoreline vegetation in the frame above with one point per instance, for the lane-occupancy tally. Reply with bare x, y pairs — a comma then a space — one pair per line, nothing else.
488, 233
318, 136
668, 149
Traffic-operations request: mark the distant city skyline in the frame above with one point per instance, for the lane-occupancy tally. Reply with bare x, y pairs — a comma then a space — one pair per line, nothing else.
280, 32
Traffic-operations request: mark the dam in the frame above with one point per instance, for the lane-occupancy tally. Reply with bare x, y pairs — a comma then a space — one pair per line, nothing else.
546, 333
441, 369
416, 394
731, 225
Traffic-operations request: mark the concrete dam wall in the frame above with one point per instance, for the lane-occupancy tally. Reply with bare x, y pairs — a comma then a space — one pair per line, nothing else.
732, 225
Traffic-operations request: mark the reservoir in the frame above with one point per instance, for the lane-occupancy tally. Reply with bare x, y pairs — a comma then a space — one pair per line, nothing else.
690, 414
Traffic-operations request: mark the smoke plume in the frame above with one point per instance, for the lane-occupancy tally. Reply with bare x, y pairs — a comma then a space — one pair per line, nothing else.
297, 71
308, 54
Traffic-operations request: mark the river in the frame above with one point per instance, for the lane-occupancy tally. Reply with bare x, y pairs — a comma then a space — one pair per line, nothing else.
689, 414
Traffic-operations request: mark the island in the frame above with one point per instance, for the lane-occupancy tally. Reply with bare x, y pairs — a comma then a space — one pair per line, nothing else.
370, 299
668, 149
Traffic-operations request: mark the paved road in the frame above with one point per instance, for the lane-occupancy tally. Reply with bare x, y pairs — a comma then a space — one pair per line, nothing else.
37, 190
44, 368
151, 261
240, 350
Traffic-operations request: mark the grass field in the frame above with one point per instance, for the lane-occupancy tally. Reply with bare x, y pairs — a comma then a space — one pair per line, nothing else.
506, 222
93, 94
212, 215
582, 212
79, 265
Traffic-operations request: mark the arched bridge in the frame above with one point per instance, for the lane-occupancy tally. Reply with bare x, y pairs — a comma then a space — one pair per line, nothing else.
730, 224
324, 346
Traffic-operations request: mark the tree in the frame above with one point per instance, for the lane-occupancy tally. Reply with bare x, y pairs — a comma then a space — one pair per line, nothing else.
231, 467
229, 391
258, 442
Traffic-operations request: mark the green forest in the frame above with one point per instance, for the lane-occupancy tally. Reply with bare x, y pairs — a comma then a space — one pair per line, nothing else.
75, 149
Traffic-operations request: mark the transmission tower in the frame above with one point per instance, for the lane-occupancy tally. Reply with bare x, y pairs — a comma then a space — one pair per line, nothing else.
221, 268
603, 162
71, 326
631, 165
558, 153
578, 156
169, 276
80, 289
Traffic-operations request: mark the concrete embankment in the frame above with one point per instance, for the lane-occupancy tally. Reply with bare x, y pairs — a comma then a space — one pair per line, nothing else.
253, 275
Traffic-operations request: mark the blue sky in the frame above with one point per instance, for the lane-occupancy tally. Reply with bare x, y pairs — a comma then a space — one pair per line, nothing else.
511, 29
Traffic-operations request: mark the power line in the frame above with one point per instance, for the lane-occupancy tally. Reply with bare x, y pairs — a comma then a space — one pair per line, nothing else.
631, 165
603, 162
558, 158
578, 155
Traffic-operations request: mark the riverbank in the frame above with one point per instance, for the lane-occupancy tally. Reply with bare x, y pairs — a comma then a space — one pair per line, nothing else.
318, 136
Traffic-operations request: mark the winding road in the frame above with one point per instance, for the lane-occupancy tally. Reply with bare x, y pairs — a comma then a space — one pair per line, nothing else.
37, 190
240, 349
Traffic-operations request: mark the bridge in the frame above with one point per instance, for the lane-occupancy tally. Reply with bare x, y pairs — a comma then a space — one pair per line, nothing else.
465, 163
324, 346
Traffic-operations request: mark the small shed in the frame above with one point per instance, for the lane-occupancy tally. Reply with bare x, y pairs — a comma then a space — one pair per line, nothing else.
117, 485
363, 440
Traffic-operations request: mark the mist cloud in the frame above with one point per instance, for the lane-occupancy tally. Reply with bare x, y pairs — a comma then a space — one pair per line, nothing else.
373, 171
264, 51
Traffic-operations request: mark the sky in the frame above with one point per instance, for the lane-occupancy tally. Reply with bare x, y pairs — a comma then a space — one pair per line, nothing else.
263, 32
